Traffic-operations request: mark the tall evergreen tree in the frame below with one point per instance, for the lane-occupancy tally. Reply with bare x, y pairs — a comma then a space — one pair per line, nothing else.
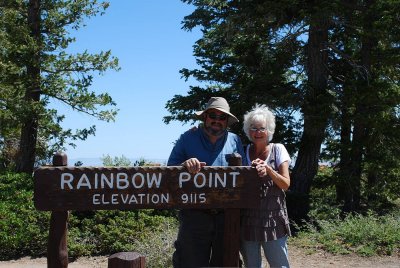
369, 56
44, 71
244, 58
336, 62
315, 107
257, 52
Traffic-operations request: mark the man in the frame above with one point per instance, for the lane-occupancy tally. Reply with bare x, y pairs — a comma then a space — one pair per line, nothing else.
200, 237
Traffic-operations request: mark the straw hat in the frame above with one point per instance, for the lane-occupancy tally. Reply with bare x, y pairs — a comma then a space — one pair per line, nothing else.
219, 104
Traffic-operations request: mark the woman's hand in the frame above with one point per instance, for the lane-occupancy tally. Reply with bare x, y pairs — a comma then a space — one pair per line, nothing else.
257, 162
261, 170
281, 178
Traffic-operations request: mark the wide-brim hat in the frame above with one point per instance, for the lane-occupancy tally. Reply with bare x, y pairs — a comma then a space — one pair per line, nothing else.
219, 104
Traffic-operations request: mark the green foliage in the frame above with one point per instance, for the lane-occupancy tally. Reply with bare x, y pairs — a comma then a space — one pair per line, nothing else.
243, 57
333, 64
323, 203
23, 230
121, 161
36, 69
106, 232
365, 235
372, 233
141, 162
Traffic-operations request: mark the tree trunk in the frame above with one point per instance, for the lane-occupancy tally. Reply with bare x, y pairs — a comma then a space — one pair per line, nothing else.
372, 180
345, 145
346, 104
316, 111
29, 129
363, 101
353, 177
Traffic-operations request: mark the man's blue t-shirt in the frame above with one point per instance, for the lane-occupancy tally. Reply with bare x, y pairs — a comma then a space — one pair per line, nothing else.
195, 144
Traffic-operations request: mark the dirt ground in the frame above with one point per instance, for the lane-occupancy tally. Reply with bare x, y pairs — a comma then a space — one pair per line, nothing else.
298, 259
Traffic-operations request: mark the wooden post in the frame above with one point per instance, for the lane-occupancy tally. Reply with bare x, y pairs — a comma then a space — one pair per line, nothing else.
126, 260
232, 226
57, 252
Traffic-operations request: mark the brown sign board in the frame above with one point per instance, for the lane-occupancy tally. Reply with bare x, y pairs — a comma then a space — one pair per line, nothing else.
58, 188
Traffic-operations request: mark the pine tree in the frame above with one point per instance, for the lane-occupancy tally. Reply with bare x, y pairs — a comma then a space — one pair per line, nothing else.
38, 34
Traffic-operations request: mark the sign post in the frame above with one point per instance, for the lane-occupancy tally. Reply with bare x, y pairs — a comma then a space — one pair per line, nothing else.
57, 251
232, 226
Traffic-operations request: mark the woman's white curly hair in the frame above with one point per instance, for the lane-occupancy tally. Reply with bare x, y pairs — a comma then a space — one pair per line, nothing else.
259, 114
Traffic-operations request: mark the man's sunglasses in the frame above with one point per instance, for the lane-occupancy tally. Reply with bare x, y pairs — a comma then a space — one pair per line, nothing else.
221, 117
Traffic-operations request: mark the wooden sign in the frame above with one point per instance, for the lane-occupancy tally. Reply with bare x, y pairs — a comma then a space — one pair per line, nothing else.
95, 188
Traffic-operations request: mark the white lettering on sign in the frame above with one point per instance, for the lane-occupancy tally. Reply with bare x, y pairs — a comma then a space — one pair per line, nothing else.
193, 198
214, 179
183, 177
130, 199
107, 188
66, 178
140, 179
154, 180
84, 182
122, 181
102, 181
202, 180
144, 180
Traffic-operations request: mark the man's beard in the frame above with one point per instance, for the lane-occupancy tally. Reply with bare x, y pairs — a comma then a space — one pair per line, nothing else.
215, 132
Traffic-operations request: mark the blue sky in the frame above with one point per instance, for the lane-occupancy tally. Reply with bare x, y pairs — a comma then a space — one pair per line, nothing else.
147, 38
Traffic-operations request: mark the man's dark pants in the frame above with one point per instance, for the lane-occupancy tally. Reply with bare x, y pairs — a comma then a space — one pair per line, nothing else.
200, 239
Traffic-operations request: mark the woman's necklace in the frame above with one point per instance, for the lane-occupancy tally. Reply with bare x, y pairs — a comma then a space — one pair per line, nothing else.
262, 155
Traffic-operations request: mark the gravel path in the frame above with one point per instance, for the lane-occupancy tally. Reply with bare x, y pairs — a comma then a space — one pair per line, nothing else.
298, 259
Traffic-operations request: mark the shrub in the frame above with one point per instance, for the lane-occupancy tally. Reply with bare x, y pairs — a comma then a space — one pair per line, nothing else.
108, 232
323, 205
368, 234
23, 230
365, 235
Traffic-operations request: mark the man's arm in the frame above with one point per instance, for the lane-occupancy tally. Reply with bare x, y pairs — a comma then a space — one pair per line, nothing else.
239, 147
178, 155
241, 151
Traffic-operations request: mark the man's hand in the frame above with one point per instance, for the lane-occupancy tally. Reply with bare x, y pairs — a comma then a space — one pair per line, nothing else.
193, 165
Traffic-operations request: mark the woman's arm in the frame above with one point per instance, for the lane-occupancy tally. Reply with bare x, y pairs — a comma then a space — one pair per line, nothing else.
281, 178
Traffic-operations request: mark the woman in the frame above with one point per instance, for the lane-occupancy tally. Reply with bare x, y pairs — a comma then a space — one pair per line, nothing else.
268, 226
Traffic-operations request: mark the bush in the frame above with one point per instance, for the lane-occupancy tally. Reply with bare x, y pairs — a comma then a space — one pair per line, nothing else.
365, 235
108, 232
323, 205
23, 231
369, 234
